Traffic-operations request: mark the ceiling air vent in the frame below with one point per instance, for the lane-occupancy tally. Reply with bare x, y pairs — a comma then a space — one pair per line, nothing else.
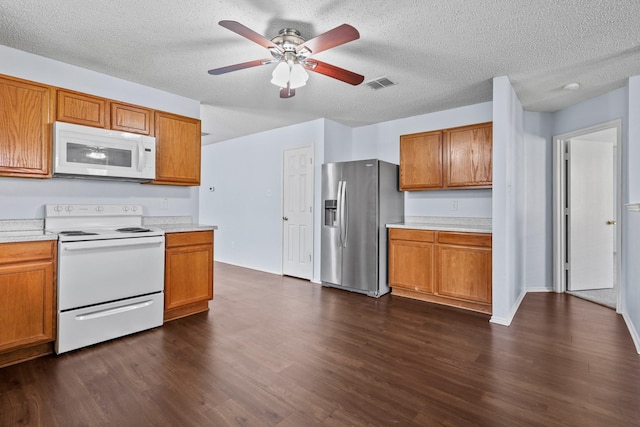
380, 83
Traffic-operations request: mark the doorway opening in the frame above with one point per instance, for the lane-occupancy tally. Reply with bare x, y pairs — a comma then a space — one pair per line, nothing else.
297, 212
587, 212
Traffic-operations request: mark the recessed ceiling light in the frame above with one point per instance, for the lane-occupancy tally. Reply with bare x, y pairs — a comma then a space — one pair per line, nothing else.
571, 86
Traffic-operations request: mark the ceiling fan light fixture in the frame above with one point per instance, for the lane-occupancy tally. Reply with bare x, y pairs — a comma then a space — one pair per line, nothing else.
298, 76
280, 75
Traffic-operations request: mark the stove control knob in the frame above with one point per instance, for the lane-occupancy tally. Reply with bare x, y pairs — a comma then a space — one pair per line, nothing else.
125, 208
68, 208
58, 208
134, 208
99, 209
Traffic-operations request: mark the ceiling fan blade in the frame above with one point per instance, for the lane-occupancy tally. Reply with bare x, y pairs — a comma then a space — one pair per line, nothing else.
236, 67
334, 72
287, 92
332, 38
247, 32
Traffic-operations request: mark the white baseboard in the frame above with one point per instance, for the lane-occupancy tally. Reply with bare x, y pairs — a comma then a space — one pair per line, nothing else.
279, 273
632, 330
540, 289
506, 321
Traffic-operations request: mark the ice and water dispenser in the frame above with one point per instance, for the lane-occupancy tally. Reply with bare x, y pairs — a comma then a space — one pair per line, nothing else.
331, 213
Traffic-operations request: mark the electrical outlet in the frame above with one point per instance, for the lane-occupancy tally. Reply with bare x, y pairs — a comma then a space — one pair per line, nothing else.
454, 205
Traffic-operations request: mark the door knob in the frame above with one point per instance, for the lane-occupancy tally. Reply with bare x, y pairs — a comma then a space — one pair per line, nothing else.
611, 222
285, 218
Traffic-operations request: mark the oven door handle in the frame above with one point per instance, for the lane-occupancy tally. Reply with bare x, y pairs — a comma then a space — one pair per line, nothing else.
115, 243
112, 311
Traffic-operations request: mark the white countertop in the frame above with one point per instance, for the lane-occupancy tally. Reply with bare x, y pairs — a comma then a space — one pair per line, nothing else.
461, 224
176, 224
24, 230
27, 230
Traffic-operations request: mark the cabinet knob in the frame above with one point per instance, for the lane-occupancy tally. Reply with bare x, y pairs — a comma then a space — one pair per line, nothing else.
285, 218
611, 222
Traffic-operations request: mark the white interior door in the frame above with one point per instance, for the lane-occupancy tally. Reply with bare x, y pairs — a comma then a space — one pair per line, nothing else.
590, 214
297, 213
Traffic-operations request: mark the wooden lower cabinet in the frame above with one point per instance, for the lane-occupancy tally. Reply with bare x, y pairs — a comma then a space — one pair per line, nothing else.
444, 267
188, 285
27, 300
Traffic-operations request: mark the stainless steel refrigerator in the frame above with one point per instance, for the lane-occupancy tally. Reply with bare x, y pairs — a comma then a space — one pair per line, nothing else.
359, 198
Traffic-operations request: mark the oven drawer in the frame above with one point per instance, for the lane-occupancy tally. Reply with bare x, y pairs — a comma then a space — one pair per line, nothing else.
91, 325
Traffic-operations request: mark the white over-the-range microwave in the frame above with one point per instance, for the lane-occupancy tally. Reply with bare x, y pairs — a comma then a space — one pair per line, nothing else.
94, 153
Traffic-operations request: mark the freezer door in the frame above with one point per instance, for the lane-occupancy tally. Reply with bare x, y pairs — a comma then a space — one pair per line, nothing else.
360, 230
330, 248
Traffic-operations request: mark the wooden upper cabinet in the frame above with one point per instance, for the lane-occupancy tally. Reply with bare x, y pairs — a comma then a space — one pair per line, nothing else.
82, 109
26, 113
468, 154
447, 159
178, 148
131, 118
421, 161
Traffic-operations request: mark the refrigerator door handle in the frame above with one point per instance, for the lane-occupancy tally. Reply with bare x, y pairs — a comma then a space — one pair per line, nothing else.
345, 215
339, 213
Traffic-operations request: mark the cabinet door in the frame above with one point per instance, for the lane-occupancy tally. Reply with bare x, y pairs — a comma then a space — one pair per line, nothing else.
468, 156
464, 273
178, 147
26, 114
130, 118
188, 273
421, 161
26, 304
411, 265
82, 109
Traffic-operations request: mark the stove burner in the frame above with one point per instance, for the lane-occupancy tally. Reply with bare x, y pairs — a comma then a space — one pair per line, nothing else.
77, 233
133, 230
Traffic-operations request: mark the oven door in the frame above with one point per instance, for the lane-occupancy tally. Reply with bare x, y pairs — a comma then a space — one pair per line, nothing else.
98, 271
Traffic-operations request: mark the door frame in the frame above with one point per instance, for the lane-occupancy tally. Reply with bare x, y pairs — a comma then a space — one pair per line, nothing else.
559, 197
311, 147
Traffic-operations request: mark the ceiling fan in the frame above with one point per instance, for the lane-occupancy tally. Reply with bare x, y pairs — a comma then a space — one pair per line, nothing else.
292, 54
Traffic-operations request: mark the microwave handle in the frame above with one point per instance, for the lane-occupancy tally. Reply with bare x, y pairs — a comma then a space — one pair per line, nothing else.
140, 156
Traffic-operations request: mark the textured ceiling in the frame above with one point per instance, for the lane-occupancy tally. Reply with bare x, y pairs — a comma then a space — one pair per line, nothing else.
442, 54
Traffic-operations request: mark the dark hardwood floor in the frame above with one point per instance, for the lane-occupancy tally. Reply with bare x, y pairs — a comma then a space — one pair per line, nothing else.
277, 351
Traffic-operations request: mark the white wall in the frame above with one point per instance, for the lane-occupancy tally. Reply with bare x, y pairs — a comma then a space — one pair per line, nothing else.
247, 202
508, 201
631, 220
25, 197
382, 141
538, 155
338, 142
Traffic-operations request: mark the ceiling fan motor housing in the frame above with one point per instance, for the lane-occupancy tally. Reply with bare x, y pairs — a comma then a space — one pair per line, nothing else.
288, 39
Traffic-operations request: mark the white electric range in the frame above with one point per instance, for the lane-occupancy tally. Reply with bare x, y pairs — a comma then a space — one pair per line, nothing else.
110, 273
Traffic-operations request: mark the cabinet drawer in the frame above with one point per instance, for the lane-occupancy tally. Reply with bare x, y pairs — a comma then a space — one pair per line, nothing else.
411, 234
26, 251
465, 239
188, 238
